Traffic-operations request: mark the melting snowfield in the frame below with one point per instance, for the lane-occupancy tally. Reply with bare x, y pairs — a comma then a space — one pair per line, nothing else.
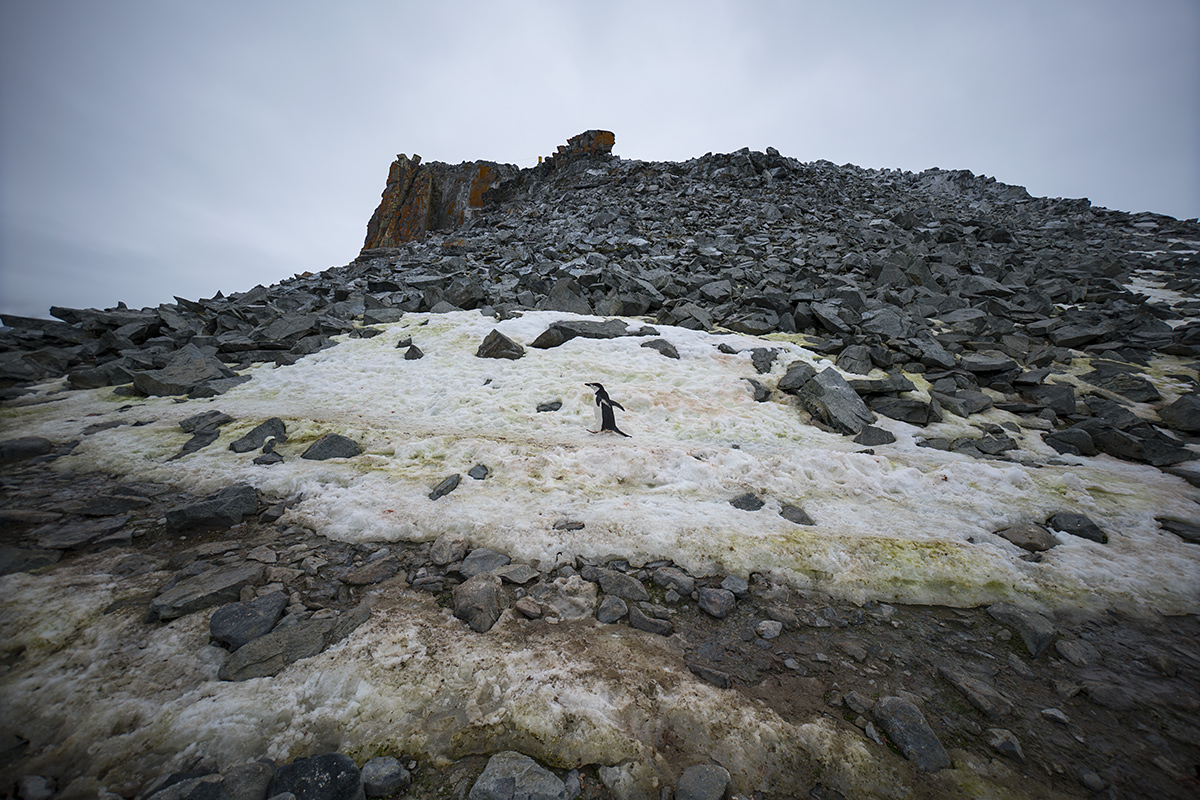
904, 523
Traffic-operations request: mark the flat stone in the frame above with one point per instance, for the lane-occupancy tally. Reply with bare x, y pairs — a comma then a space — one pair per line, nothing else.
672, 578
216, 586
662, 346
272, 653
332, 445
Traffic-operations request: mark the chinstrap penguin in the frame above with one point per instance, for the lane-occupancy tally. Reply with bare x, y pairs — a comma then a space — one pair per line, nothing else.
604, 410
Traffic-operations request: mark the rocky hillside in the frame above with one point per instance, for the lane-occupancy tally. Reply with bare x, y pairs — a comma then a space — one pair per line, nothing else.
908, 506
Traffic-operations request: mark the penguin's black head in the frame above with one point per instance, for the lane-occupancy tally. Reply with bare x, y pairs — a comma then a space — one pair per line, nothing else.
595, 387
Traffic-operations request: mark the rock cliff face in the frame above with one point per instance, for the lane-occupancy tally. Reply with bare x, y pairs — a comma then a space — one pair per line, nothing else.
431, 197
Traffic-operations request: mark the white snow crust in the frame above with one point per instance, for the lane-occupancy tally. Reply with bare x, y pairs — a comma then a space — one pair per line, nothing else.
904, 523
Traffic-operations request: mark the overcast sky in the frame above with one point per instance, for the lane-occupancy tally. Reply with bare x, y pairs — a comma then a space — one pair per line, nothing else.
159, 148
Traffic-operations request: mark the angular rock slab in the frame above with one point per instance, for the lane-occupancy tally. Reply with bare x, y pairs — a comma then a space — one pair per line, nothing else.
497, 345
905, 725
514, 776
1036, 631
829, 398
220, 510
332, 445
270, 654
239, 623
204, 590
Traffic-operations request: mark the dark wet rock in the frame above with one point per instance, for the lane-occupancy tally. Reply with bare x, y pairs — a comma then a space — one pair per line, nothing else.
906, 409
977, 691
1005, 742
384, 776
24, 448
795, 514
677, 579
1077, 525
736, 585
373, 572
760, 392
798, 374
520, 574
662, 346
497, 345
77, 535
1130, 385
747, 502
1184, 414
716, 602
189, 370
513, 776
332, 445
479, 601
962, 403
1029, 536
482, 560
412, 353
617, 583
871, 436
892, 384
1035, 630
222, 509
644, 622
479, 472
708, 674
1188, 531
1075, 441
331, 776
553, 405
830, 399
19, 559
906, 726
271, 653
273, 428
236, 624
214, 587
206, 420
703, 782
446, 486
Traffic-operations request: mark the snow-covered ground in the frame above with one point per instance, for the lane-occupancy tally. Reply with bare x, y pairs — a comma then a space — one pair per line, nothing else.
903, 523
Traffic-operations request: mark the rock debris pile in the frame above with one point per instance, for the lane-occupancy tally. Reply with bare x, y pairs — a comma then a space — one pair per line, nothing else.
938, 293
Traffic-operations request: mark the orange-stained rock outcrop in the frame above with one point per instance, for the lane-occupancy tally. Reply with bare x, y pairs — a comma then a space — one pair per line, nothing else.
436, 196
